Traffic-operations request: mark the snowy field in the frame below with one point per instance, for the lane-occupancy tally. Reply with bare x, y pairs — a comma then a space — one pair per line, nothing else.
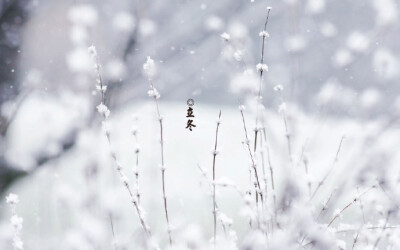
95, 152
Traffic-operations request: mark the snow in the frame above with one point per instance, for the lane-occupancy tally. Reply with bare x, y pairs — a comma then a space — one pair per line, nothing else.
316, 6
340, 73
295, 43
124, 22
225, 36
41, 128
12, 199
83, 14
231, 162
358, 42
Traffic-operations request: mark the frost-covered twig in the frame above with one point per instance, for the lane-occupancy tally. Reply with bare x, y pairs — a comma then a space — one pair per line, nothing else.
105, 112
389, 212
149, 68
215, 152
223, 219
16, 221
261, 67
330, 170
282, 109
136, 168
112, 231
348, 205
254, 166
325, 205
271, 169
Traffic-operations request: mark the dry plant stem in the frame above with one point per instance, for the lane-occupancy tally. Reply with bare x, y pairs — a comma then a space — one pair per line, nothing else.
211, 185
258, 188
383, 229
214, 158
305, 162
288, 139
324, 206
389, 197
355, 240
261, 80
160, 119
271, 169
348, 205
137, 172
264, 171
330, 170
126, 184
119, 168
112, 230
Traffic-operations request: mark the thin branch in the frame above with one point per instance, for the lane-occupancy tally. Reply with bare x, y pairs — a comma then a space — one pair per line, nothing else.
215, 152
163, 167
103, 110
254, 166
262, 69
348, 205
330, 170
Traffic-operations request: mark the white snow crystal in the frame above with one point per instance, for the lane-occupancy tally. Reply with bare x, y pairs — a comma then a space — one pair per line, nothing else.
78, 34
263, 34
328, 29
16, 222
261, 67
225, 36
337, 213
101, 88
387, 11
147, 27
225, 219
215, 152
278, 87
238, 55
124, 21
244, 83
295, 43
78, 60
315, 6
149, 67
124, 179
116, 69
342, 58
83, 14
370, 97
386, 64
103, 110
358, 42
153, 93
12, 199
238, 30
282, 107
18, 244
214, 23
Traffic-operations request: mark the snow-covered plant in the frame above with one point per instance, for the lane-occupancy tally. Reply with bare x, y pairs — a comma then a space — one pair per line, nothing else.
105, 112
149, 69
16, 222
214, 153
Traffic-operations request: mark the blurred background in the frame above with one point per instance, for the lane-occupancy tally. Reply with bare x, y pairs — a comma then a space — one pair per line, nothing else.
338, 62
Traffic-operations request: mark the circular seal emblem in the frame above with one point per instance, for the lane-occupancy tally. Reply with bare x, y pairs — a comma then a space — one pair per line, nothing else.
190, 102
